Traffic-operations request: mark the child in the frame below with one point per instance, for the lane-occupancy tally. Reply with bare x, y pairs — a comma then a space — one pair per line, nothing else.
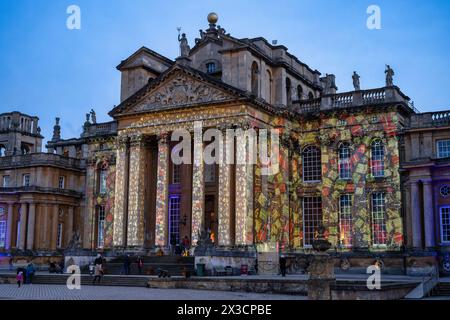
19, 278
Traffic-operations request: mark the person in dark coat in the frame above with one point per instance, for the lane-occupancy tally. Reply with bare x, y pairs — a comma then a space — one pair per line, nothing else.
283, 266
30, 273
127, 264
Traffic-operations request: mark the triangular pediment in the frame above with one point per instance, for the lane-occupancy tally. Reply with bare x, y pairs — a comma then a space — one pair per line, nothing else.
175, 89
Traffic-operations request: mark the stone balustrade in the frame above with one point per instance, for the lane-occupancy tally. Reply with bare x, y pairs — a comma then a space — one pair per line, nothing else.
353, 99
40, 159
37, 189
430, 119
100, 129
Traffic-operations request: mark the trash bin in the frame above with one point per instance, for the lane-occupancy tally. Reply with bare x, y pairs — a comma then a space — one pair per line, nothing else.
200, 269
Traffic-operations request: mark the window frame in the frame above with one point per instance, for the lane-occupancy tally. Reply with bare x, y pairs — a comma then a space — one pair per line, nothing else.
348, 220
24, 180
174, 210
102, 179
101, 212
59, 235
348, 161
62, 182
438, 155
4, 179
374, 168
441, 231
319, 165
307, 243
3, 231
384, 225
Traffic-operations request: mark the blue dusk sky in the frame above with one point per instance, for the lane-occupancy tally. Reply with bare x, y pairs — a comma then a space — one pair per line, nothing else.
48, 70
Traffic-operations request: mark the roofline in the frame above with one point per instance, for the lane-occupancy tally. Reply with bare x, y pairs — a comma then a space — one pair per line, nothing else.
150, 52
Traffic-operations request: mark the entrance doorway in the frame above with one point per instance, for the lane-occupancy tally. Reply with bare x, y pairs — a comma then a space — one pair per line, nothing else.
211, 217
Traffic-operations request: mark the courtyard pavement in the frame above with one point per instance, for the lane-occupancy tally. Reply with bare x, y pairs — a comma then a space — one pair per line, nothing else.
61, 292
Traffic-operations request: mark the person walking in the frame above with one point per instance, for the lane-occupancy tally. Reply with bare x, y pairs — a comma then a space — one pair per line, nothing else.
283, 266
127, 264
140, 264
98, 272
19, 278
30, 273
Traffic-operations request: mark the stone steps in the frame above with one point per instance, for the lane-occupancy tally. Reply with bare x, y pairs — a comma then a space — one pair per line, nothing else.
441, 290
127, 281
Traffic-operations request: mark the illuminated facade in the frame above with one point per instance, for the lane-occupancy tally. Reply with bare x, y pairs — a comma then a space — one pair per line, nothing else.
341, 156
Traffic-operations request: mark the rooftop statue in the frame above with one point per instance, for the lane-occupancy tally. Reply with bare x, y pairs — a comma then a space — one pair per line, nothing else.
93, 116
356, 83
389, 76
184, 45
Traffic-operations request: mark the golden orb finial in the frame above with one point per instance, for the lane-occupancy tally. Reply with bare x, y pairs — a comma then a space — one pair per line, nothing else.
213, 18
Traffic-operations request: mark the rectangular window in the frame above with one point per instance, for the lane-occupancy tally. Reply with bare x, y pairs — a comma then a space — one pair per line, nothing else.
345, 220
312, 218
26, 180
211, 67
59, 235
101, 227
102, 182
210, 173
174, 220
2, 234
6, 181
445, 224
379, 219
443, 149
61, 183
176, 174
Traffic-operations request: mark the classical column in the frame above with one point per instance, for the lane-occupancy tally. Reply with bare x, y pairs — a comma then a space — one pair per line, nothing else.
69, 227
121, 192
31, 226
23, 225
416, 215
224, 238
198, 187
54, 230
9, 226
136, 192
244, 191
428, 214
162, 192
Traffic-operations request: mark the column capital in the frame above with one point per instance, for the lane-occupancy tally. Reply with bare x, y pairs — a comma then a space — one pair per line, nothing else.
163, 137
138, 140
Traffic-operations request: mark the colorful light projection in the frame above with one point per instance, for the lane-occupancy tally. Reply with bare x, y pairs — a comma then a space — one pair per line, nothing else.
162, 192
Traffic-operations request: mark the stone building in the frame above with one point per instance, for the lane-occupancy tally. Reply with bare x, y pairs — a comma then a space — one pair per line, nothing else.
40, 193
347, 162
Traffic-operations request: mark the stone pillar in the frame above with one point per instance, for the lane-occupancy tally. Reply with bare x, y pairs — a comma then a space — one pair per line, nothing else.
136, 192
54, 230
121, 192
9, 226
23, 225
244, 191
224, 235
416, 215
69, 227
428, 214
162, 192
45, 223
31, 226
198, 187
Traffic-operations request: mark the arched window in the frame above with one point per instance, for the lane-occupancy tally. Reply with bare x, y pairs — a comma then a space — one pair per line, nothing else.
288, 92
310, 95
345, 171
377, 158
299, 92
2, 150
312, 164
255, 73
269, 86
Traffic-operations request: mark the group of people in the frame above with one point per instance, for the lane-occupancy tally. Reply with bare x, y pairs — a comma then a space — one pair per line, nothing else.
25, 275
127, 265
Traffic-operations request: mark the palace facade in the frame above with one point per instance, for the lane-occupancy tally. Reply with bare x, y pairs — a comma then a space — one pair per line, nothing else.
365, 165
